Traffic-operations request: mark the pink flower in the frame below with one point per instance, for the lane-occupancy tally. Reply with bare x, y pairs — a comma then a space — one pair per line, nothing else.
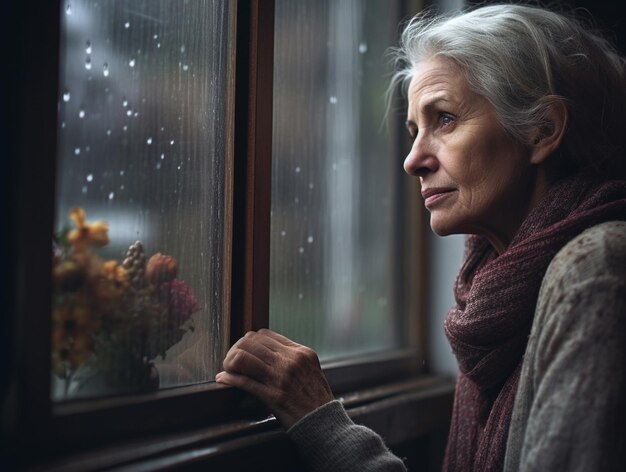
179, 299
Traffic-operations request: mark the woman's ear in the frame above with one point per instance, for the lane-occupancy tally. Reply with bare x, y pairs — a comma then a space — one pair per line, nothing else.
547, 139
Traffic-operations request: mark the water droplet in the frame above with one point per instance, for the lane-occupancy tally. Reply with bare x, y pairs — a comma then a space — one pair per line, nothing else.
171, 142
136, 113
129, 112
121, 172
363, 48
88, 47
131, 63
182, 48
185, 67
111, 195
158, 165
87, 148
311, 186
158, 45
382, 301
297, 170
332, 100
334, 166
84, 189
178, 167
300, 296
296, 200
63, 124
108, 132
88, 63
309, 240
105, 69
77, 151
162, 156
122, 187
283, 233
127, 25
81, 113
89, 177
68, 9
149, 141
66, 96
155, 36
125, 103
125, 127
301, 250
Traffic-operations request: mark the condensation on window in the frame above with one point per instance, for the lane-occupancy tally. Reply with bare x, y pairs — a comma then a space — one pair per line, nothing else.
142, 126
332, 178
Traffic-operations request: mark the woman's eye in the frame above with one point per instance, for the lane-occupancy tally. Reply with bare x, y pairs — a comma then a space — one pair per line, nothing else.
446, 119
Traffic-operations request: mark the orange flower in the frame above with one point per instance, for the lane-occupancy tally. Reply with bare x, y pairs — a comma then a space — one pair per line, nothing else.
87, 234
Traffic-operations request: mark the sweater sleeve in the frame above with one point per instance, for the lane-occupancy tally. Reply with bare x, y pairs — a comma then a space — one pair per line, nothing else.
328, 440
570, 407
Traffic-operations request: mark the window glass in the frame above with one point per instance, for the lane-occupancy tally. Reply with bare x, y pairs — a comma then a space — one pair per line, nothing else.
142, 145
332, 223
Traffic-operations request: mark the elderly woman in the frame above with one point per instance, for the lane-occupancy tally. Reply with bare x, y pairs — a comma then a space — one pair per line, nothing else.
517, 119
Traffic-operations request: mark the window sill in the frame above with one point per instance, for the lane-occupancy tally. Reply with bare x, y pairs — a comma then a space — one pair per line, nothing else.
400, 412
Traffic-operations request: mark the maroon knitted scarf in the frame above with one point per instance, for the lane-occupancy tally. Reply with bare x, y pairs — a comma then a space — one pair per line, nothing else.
496, 296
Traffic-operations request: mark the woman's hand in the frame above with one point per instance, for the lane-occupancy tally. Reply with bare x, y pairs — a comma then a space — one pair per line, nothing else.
285, 375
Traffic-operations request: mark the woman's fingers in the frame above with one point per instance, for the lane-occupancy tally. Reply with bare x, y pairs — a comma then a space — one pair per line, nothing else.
285, 375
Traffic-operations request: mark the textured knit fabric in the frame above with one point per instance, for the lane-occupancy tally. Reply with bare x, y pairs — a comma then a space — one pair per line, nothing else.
496, 298
327, 440
569, 409
570, 406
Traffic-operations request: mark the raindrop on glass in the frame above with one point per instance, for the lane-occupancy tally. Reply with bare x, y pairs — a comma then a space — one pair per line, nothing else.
332, 100
283, 233
131, 63
149, 141
158, 45
88, 47
66, 96
185, 67
81, 113
162, 156
111, 195
301, 250
105, 69
125, 103
68, 9
84, 189
108, 132
136, 113
309, 240
363, 48
182, 48
77, 151
178, 167
127, 25
88, 63
300, 296
121, 172
155, 36
311, 186
129, 112
297, 170
171, 142
89, 177
125, 128
63, 124
158, 165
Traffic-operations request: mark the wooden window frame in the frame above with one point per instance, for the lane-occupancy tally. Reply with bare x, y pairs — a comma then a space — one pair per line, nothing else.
184, 419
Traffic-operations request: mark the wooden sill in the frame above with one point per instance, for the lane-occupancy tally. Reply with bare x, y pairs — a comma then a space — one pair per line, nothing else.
400, 412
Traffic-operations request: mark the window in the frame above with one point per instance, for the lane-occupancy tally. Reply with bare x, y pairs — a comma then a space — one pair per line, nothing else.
143, 127
333, 194
243, 144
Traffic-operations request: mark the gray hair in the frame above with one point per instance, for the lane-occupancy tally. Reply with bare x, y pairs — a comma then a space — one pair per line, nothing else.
522, 58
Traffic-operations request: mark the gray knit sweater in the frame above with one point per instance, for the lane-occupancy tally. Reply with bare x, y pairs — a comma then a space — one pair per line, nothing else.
570, 408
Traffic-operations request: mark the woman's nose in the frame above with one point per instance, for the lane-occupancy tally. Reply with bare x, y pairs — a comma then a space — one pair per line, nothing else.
421, 160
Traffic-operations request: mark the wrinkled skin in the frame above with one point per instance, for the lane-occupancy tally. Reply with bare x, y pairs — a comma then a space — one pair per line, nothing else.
285, 375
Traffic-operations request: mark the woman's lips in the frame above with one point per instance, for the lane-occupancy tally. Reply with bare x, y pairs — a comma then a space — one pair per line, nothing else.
433, 196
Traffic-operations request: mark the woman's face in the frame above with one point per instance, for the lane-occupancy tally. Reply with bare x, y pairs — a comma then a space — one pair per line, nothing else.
475, 178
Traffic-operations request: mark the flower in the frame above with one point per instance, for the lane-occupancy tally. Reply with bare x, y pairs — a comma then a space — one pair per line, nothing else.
116, 316
87, 234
